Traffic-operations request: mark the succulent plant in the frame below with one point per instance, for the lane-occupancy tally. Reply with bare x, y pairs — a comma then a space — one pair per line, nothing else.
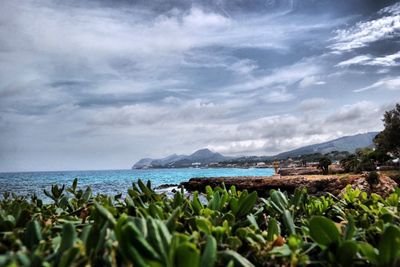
222, 227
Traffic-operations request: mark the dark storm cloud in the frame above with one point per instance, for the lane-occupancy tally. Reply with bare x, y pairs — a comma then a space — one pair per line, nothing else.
124, 79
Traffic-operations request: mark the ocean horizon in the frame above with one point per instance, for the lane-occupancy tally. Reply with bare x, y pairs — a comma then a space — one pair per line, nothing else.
113, 181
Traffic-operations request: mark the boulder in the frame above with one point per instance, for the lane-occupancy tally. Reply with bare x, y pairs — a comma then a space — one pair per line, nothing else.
384, 187
315, 184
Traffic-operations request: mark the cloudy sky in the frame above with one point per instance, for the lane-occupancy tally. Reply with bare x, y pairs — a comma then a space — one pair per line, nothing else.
101, 84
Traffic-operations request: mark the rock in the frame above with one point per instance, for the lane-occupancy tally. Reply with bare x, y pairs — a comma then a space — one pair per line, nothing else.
163, 186
384, 188
335, 169
316, 185
299, 171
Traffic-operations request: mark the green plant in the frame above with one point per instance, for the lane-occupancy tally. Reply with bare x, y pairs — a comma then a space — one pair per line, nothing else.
389, 139
223, 227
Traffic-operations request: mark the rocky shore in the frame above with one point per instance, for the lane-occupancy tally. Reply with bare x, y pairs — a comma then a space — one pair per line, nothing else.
299, 171
315, 184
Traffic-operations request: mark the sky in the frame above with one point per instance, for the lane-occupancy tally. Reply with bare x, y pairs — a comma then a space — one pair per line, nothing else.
99, 84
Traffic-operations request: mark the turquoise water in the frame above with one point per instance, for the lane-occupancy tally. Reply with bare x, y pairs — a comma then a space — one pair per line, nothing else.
112, 181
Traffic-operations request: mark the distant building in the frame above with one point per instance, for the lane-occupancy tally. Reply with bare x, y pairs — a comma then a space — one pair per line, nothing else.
261, 165
196, 164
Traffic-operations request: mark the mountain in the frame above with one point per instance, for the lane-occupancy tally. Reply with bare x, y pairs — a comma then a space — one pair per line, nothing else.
206, 156
346, 143
143, 163
167, 160
202, 156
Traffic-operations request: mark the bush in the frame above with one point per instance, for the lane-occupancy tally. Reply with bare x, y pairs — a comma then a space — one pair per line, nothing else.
324, 165
373, 178
222, 227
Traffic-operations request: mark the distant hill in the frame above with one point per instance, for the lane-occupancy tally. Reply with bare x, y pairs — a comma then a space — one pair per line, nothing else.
206, 156
346, 143
202, 156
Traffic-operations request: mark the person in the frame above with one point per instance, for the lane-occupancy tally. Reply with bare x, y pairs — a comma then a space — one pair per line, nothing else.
276, 166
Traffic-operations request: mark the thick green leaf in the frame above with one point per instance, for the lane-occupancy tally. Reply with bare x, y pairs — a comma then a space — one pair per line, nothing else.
288, 221
281, 251
87, 195
279, 201
239, 261
369, 252
209, 256
246, 204
137, 239
68, 237
299, 195
234, 205
273, 229
68, 257
75, 184
252, 220
347, 252
171, 221
203, 225
130, 253
186, 255
350, 229
196, 204
389, 247
323, 231
33, 234
146, 190
105, 213
154, 238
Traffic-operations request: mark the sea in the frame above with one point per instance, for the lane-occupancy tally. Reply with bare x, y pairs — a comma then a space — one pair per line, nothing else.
113, 181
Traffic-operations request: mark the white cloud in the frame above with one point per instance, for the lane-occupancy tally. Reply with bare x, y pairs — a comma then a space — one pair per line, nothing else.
313, 103
354, 61
393, 9
273, 134
274, 95
389, 83
99, 86
282, 76
367, 60
354, 112
386, 61
366, 32
309, 81
243, 67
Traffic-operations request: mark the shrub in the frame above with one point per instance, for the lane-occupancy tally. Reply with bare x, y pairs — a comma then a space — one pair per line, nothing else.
324, 165
222, 227
373, 178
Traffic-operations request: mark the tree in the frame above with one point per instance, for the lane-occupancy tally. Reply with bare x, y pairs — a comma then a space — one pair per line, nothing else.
388, 140
362, 160
324, 163
379, 156
349, 163
365, 157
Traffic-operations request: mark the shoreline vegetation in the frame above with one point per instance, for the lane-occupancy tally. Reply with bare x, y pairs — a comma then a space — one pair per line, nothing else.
223, 226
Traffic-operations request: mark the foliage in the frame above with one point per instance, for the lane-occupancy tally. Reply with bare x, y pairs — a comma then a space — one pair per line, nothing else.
221, 227
373, 178
363, 160
389, 139
323, 164
350, 163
